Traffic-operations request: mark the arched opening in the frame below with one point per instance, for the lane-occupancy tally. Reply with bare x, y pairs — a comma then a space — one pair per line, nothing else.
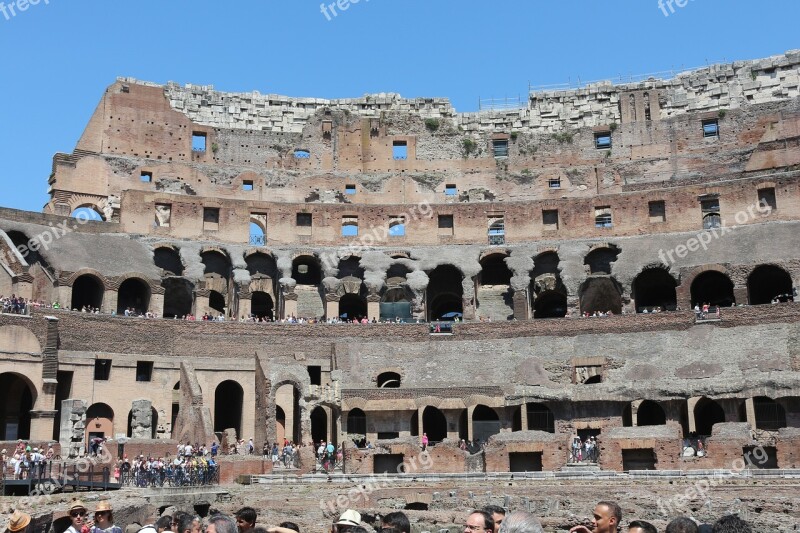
287, 399
178, 296
357, 427
767, 284
650, 414
713, 288
550, 304
770, 415
389, 380
416, 506
280, 423
495, 297
654, 288
32, 256
395, 301
434, 424
169, 260
87, 291
87, 212
16, 401
707, 412
350, 266
601, 294
261, 265
228, 402
319, 424
215, 262
599, 260
133, 294
99, 421
262, 306
257, 235
485, 423
306, 270
216, 301
540, 418
352, 306
175, 406
445, 293
153, 423
463, 423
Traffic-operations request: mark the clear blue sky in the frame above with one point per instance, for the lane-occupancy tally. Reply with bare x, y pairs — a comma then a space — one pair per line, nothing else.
58, 58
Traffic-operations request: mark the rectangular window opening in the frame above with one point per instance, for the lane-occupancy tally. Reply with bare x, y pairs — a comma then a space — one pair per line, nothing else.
554, 183
445, 224
163, 215
657, 211
550, 219
397, 226
766, 197
315, 375
400, 150
602, 140
146, 177
349, 189
144, 371
199, 141
304, 220
500, 148
711, 128
602, 217
247, 185
210, 218
102, 369
450, 190
349, 226
497, 230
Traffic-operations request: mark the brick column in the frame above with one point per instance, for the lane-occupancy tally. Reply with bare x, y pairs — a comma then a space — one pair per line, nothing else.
750, 410
110, 299
522, 311
332, 306
523, 416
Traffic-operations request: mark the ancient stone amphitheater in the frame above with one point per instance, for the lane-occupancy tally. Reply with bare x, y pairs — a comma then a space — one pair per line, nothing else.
479, 242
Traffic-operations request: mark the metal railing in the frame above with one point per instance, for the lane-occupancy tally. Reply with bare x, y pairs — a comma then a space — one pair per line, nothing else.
170, 476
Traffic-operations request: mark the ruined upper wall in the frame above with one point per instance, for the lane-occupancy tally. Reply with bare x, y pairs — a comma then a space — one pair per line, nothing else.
716, 87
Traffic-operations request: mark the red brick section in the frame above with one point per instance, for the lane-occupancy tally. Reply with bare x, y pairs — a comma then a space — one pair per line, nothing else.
230, 468
82, 332
442, 458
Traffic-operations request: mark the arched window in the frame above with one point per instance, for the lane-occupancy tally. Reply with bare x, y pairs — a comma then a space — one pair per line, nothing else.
389, 380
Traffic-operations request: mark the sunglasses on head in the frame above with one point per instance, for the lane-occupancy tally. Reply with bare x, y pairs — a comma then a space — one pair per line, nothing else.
76, 514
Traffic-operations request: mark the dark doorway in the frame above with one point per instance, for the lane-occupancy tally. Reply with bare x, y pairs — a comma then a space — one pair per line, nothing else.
216, 301
655, 288
15, 407
641, 459
434, 424
228, 402
650, 414
178, 296
713, 288
357, 427
319, 425
768, 283
485, 423
550, 304
525, 461
601, 294
87, 291
388, 463
133, 294
707, 413
262, 306
352, 306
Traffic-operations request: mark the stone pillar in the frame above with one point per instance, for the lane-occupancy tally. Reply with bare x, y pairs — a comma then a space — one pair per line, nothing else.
470, 410
64, 296
635, 412
374, 306
420, 425
23, 285
246, 306
73, 427
290, 304
740, 295
332, 306
523, 416
520, 303
750, 410
690, 405
142, 419
110, 299
157, 303
200, 301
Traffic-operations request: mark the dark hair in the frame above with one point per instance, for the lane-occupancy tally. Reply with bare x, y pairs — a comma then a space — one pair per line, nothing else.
488, 521
184, 522
290, 525
259, 529
398, 521
248, 514
647, 527
165, 522
494, 509
731, 524
682, 525
356, 529
615, 509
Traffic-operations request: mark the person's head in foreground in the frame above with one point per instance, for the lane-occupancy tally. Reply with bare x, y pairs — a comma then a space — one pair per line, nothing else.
498, 514
731, 524
397, 521
348, 521
520, 522
682, 524
640, 526
221, 524
479, 522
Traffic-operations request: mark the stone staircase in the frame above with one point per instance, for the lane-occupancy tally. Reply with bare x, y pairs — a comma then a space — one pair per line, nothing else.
494, 302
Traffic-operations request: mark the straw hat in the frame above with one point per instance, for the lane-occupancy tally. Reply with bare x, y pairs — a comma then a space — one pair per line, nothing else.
18, 521
75, 505
103, 505
349, 518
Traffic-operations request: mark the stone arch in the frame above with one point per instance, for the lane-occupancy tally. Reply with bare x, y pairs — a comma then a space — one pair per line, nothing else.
350, 266
88, 290
601, 294
434, 424
168, 259
178, 297
228, 406
494, 293
357, 426
92, 206
19, 339
306, 270
133, 293
445, 292
260, 264
600, 258
768, 282
712, 287
707, 413
655, 287
485, 422
286, 394
99, 421
216, 301
17, 398
319, 424
216, 261
548, 294
389, 380
262, 305
650, 413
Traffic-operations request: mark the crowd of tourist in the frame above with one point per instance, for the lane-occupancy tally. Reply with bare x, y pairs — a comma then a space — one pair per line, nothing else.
606, 518
25, 459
